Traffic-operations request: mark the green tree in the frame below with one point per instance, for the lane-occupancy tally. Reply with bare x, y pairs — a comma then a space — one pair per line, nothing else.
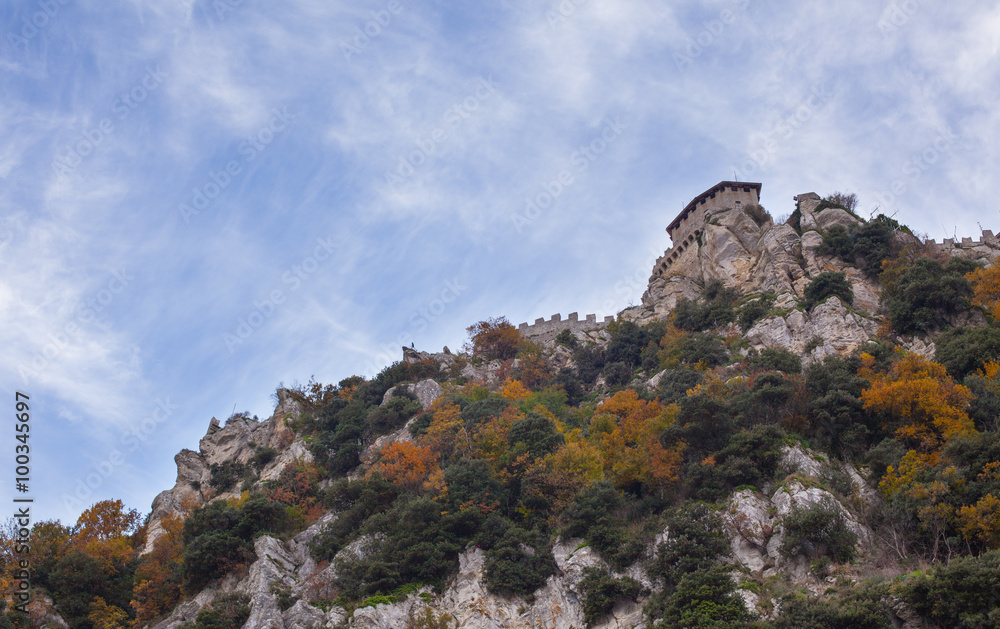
825, 285
966, 350
923, 294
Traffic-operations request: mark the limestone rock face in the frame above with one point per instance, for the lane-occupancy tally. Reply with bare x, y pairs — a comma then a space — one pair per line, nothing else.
830, 324
42, 613
488, 374
371, 453
754, 521
663, 294
466, 600
426, 391
236, 441
756, 258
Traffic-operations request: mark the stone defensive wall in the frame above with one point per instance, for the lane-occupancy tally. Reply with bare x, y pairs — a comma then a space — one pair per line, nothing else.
546, 330
987, 240
664, 262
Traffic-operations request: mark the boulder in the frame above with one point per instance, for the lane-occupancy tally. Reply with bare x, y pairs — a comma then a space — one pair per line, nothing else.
426, 391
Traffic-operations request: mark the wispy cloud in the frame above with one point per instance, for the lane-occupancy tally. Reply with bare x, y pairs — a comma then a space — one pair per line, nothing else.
461, 160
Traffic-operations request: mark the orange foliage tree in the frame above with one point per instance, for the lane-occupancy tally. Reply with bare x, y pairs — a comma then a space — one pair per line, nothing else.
50, 541
628, 430
920, 400
407, 464
298, 487
493, 339
986, 288
157, 583
534, 371
107, 532
447, 433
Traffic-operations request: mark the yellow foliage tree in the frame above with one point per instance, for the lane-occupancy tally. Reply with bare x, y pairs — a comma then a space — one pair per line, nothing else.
671, 346
105, 532
918, 397
446, 435
986, 288
490, 438
981, 521
579, 459
104, 616
513, 391
628, 429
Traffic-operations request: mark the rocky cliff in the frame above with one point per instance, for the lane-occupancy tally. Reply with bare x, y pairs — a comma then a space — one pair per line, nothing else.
237, 441
761, 257
288, 589
753, 524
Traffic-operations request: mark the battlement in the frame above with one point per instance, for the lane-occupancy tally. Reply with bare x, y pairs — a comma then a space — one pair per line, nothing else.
671, 255
987, 240
546, 330
725, 194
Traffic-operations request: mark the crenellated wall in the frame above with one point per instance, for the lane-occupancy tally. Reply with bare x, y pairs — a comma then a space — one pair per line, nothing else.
672, 255
987, 240
542, 328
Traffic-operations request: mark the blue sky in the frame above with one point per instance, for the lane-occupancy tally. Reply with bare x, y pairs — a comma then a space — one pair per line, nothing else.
203, 199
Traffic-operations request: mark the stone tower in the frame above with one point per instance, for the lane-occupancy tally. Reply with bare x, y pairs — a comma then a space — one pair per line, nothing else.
688, 225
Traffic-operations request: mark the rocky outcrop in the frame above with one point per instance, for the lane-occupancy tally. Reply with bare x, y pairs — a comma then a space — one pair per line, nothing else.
757, 258
237, 441
754, 258
829, 328
42, 613
426, 391
492, 373
287, 566
754, 521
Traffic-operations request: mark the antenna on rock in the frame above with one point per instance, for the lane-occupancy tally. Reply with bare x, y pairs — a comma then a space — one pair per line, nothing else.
735, 178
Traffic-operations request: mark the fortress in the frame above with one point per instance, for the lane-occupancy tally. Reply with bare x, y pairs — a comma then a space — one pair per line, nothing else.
547, 330
687, 227
683, 230
950, 245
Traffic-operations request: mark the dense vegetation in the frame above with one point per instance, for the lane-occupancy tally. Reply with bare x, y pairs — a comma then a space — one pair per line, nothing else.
598, 453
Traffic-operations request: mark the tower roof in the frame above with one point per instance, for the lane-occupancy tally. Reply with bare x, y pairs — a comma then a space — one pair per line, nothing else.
747, 186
